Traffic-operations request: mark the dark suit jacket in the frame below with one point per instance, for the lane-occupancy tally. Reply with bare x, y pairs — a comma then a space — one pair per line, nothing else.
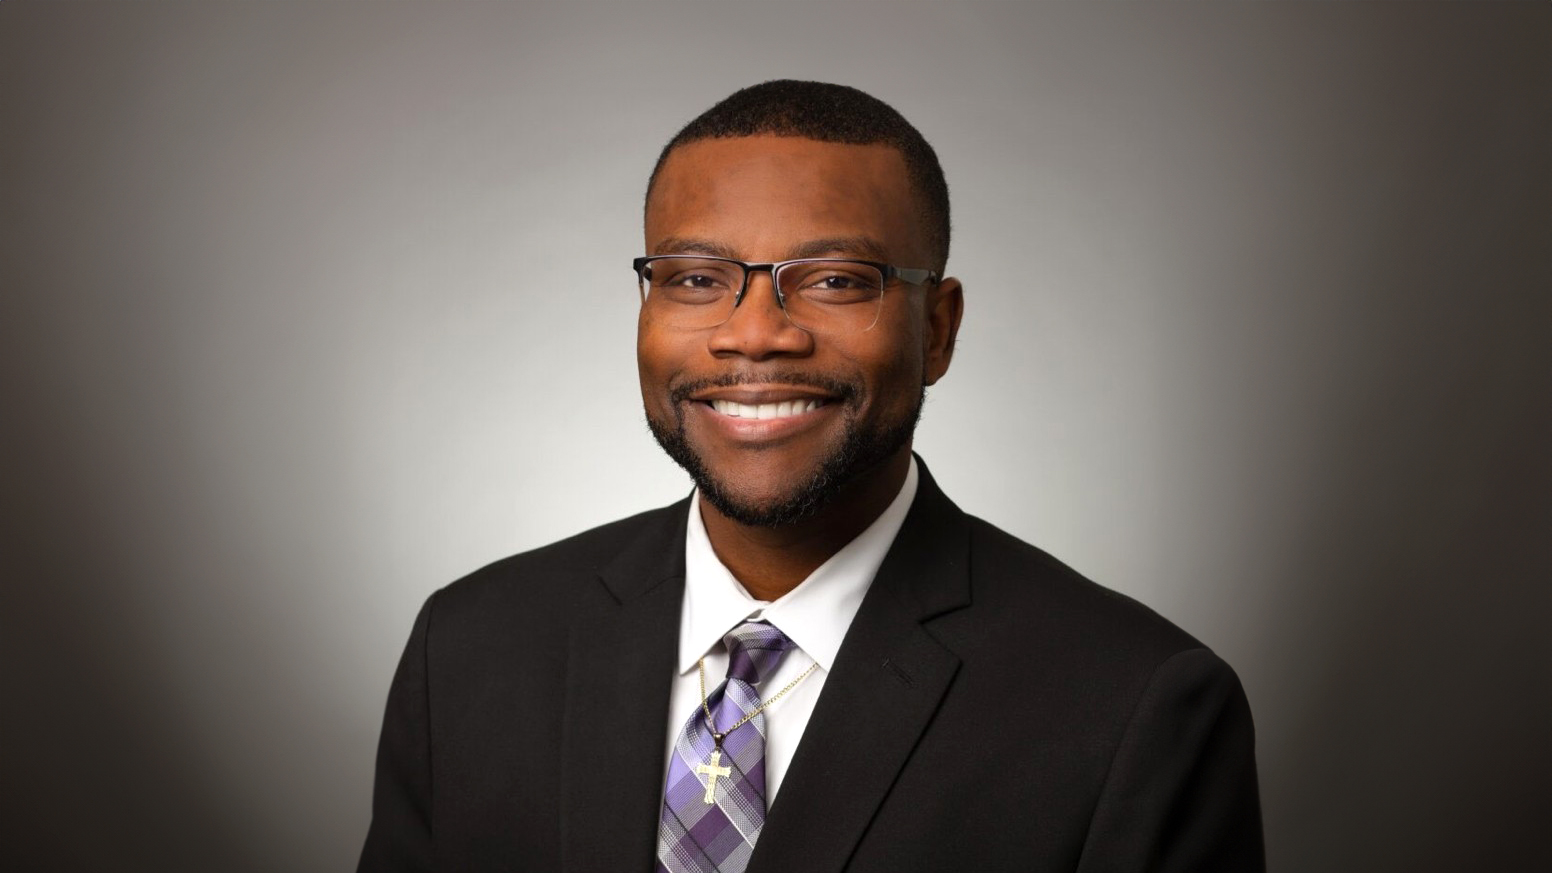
990, 709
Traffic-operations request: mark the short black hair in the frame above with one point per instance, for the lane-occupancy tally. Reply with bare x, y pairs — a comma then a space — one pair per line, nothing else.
828, 113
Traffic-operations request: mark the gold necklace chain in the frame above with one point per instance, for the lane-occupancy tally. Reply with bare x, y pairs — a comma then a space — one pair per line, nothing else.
711, 724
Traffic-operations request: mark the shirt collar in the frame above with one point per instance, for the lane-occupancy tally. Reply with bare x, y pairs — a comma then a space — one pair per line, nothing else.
814, 615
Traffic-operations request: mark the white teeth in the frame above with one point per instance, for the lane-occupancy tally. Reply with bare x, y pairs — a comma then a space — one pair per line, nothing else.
784, 409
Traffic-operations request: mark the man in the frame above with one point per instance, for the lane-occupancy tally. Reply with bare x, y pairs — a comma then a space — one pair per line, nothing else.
893, 685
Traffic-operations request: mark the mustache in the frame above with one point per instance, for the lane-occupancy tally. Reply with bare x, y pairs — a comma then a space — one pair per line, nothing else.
841, 389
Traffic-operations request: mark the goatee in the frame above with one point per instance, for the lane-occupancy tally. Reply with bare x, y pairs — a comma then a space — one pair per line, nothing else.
860, 451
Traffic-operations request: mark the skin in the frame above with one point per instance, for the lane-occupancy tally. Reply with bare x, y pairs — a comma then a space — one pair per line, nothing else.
764, 199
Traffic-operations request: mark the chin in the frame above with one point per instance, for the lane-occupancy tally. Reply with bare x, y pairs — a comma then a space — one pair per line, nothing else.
790, 506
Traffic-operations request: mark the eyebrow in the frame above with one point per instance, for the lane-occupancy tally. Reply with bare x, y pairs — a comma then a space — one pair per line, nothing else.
836, 246
678, 245
848, 246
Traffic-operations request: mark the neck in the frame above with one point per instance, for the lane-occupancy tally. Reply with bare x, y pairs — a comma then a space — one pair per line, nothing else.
770, 561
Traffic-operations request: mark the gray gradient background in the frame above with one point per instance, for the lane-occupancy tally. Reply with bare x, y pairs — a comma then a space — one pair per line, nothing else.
308, 310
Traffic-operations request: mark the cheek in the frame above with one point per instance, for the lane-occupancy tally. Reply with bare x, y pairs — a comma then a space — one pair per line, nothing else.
661, 356
653, 345
649, 361
896, 357
892, 381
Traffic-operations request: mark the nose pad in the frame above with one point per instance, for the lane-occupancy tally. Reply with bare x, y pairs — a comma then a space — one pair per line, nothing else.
770, 294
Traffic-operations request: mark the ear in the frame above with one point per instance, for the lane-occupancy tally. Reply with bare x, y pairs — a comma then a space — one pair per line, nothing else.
945, 307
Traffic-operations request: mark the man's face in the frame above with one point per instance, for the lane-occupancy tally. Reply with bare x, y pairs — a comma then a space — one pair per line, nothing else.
845, 403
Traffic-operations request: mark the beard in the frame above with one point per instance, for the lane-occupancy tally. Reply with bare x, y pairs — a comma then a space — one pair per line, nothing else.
859, 451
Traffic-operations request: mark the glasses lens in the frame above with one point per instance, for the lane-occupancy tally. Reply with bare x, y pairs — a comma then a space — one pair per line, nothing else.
690, 292
836, 296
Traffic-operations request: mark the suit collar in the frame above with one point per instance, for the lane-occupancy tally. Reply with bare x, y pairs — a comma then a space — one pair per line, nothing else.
888, 680
929, 561
653, 556
624, 631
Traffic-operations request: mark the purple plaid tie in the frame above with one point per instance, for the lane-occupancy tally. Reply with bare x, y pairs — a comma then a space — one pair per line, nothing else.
697, 836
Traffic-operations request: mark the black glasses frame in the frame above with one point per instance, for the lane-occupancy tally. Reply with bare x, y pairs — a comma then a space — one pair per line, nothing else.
909, 275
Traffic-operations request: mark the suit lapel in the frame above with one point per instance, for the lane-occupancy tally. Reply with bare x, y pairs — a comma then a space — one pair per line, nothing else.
888, 680
619, 671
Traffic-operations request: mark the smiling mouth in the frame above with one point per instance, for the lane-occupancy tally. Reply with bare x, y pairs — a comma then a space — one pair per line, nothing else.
783, 409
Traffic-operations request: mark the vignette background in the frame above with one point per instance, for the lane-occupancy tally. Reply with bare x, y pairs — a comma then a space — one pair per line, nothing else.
308, 309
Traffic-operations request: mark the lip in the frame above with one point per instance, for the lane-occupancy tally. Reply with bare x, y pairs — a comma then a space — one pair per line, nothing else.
755, 395
761, 430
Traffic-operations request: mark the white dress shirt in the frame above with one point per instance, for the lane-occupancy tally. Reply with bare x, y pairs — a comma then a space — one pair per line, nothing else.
814, 615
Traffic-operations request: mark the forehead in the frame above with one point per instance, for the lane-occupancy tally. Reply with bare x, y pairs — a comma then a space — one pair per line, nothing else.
762, 195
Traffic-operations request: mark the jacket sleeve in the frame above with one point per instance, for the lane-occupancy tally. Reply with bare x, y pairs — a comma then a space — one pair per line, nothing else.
399, 839
1181, 794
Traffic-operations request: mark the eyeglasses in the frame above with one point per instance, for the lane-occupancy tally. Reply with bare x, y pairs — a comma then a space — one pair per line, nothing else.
838, 295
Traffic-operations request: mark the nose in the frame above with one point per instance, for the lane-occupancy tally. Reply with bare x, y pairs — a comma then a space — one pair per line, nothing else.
759, 328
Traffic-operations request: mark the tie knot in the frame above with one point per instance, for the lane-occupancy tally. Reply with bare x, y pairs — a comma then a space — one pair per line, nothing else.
754, 650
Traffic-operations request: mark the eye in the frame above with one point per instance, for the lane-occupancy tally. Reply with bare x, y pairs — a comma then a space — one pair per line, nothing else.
839, 282
693, 281
696, 280
834, 282
688, 280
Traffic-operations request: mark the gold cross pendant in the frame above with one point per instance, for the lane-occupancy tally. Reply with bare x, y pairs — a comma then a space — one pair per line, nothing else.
710, 769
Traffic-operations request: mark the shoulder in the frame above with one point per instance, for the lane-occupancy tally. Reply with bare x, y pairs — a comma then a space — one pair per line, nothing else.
1029, 586
1034, 620
1072, 647
1007, 602
541, 582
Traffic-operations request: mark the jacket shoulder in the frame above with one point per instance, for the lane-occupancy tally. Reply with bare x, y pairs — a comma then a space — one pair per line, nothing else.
1028, 591
550, 575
